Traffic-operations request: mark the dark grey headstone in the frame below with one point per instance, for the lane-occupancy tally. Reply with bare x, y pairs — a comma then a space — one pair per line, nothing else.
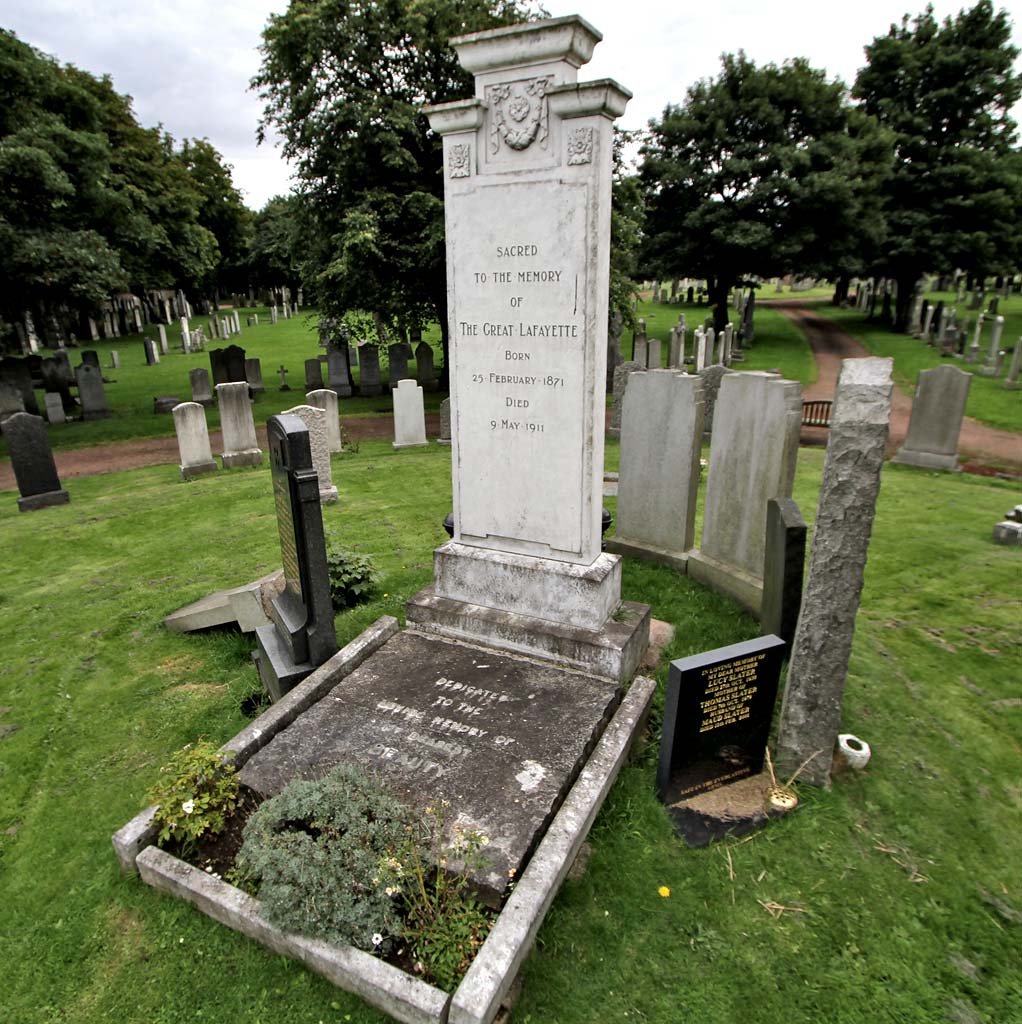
717, 717
313, 375
254, 374
91, 393
783, 569
397, 360
18, 373
301, 634
425, 373
369, 371
54, 382
711, 377
32, 461
338, 374
10, 399
90, 357
234, 357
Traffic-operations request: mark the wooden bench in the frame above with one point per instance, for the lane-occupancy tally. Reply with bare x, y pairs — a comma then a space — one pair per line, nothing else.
816, 413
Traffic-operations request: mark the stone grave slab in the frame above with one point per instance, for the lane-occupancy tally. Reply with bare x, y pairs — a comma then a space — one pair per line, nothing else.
499, 736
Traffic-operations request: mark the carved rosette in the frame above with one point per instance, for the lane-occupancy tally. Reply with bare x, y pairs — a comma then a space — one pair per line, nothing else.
519, 113
580, 145
459, 159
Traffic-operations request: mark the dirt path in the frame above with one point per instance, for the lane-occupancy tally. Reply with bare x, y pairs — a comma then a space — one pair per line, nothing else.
155, 451
830, 344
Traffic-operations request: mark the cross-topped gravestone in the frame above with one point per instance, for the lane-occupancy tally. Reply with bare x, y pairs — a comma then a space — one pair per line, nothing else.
301, 635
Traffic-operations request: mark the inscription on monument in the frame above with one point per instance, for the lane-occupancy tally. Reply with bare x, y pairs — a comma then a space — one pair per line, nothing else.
717, 717
519, 350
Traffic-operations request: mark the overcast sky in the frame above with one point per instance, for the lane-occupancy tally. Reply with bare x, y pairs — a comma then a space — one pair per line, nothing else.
187, 63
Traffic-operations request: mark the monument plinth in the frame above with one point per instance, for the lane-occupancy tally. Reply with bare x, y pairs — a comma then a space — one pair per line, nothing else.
527, 183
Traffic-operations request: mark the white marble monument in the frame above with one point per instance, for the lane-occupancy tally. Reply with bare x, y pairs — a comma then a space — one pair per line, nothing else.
527, 174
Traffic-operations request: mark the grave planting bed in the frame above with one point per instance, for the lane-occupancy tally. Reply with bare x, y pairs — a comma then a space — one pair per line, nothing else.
405, 997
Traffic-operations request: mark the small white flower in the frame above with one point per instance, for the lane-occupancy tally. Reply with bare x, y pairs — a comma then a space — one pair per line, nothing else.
188, 806
377, 938
392, 890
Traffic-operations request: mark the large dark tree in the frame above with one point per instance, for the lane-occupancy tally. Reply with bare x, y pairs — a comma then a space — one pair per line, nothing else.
761, 171
277, 241
944, 90
345, 85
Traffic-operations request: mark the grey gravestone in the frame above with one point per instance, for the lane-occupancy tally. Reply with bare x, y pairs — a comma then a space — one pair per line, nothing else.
474, 733
397, 361
711, 377
254, 374
198, 378
936, 420
811, 710
313, 375
301, 634
338, 374
54, 408
757, 421
165, 403
661, 439
445, 422
10, 400
369, 371
90, 392
115, 360
152, 357
193, 440
32, 462
90, 357
621, 373
717, 717
783, 569
18, 373
425, 373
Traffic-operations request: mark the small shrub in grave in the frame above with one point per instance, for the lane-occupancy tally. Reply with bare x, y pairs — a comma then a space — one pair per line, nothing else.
315, 850
444, 923
353, 577
196, 793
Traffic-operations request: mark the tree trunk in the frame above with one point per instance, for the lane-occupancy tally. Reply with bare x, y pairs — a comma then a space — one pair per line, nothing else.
903, 303
840, 290
718, 290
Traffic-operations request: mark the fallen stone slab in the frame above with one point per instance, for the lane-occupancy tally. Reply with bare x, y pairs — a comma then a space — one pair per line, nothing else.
244, 605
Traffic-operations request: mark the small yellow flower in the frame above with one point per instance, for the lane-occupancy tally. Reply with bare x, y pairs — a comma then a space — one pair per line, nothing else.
664, 891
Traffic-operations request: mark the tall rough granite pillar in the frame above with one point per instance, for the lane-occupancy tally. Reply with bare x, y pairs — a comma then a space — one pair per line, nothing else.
811, 711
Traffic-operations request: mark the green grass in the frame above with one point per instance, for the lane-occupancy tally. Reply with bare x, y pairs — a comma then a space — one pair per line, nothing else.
989, 401
779, 344
132, 388
905, 879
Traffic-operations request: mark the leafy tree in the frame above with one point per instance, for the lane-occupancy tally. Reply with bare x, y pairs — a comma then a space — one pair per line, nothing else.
345, 84
944, 90
626, 213
275, 243
762, 171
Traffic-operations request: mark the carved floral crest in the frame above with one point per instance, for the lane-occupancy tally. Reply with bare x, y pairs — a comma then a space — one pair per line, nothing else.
519, 113
459, 160
580, 145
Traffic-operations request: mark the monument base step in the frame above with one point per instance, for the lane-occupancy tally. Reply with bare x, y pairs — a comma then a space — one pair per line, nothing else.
277, 672
635, 549
613, 652
927, 460
198, 469
726, 579
248, 457
33, 501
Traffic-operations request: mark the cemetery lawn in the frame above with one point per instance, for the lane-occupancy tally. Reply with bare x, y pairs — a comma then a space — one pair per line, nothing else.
779, 344
130, 390
895, 896
989, 401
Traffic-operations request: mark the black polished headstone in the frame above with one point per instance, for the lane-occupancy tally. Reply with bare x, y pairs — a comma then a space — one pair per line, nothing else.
783, 569
234, 356
300, 636
717, 717
32, 461
218, 366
